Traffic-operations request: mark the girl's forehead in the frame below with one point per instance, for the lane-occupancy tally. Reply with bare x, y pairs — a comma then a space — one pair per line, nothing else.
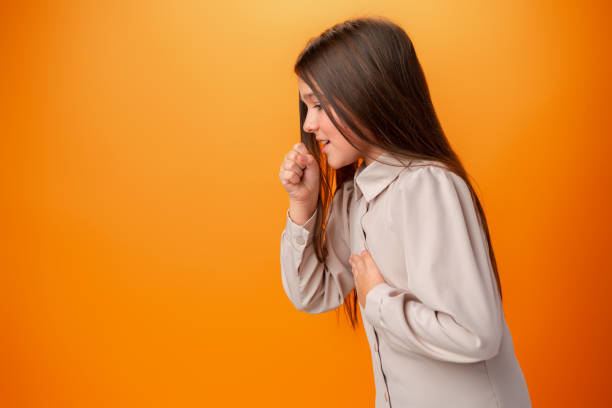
305, 90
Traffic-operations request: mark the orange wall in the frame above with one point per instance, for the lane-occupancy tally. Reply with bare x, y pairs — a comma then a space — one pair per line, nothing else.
141, 209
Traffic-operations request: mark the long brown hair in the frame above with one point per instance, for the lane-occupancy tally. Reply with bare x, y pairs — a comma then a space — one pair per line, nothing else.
369, 64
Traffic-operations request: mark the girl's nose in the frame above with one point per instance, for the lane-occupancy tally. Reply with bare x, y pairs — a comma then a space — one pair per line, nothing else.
309, 126
310, 122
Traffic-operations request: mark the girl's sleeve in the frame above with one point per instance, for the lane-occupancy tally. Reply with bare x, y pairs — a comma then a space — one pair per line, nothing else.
313, 286
451, 310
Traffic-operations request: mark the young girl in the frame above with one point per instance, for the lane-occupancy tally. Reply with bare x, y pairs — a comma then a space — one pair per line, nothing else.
380, 205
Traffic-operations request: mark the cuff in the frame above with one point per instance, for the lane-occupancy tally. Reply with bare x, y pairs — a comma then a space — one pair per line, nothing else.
374, 303
300, 235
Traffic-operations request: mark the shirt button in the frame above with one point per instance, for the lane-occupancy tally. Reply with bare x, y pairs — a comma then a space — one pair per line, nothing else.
386, 396
299, 240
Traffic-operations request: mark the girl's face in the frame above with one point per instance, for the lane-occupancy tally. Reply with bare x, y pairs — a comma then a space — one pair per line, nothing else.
338, 150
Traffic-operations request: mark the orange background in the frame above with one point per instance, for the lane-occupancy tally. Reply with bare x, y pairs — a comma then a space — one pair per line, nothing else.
142, 210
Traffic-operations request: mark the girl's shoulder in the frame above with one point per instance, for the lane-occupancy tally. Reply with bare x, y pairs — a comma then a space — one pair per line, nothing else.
424, 168
416, 165
429, 172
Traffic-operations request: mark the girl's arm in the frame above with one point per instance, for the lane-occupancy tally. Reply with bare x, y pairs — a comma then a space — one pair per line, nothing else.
312, 286
451, 310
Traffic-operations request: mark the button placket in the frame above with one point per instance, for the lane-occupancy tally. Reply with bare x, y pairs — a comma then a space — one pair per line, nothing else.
379, 365
364, 206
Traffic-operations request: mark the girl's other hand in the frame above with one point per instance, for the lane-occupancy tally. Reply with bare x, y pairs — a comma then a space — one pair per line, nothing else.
366, 274
299, 174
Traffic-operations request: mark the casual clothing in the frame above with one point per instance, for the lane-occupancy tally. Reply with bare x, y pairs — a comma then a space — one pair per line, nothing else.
436, 327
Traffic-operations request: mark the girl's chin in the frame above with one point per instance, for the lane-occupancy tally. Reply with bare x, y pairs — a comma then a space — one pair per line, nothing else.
336, 164
331, 162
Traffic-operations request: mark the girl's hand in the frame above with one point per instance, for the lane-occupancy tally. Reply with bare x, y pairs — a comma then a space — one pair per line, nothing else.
366, 274
299, 174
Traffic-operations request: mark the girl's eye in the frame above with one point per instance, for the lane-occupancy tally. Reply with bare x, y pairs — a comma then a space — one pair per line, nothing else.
317, 106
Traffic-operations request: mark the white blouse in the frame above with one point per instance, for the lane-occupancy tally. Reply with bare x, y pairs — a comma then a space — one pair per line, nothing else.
436, 327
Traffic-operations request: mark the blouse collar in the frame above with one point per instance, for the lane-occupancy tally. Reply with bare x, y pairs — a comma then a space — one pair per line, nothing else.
374, 178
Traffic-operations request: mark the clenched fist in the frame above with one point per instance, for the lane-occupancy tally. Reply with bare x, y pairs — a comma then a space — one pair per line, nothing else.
300, 175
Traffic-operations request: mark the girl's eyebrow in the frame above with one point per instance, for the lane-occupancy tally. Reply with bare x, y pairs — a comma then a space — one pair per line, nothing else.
307, 95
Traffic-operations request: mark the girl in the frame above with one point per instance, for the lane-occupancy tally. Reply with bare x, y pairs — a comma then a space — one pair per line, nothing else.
381, 206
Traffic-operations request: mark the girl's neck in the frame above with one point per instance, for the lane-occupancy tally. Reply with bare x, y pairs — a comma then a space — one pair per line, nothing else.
373, 155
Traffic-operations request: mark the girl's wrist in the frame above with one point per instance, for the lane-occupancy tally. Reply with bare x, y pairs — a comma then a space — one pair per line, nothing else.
300, 212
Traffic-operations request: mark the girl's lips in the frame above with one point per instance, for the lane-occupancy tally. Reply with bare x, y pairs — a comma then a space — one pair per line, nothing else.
325, 147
